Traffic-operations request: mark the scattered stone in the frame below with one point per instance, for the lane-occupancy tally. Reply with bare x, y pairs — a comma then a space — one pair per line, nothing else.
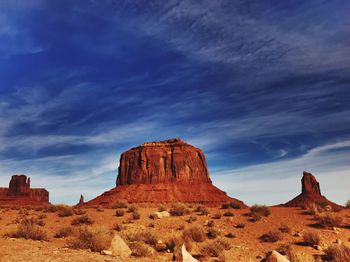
338, 241
119, 247
274, 256
317, 247
161, 214
106, 252
186, 257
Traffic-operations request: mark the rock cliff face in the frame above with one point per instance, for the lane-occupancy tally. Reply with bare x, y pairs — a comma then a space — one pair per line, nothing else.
19, 193
165, 171
162, 162
310, 194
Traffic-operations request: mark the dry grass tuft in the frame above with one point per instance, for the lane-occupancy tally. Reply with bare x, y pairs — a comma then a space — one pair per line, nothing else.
179, 209
28, 229
228, 214
213, 233
329, 220
271, 236
347, 204
146, 236
195, 233
257, 212
217, 215
297, 256
240, 225
215, 248
118, 227
119, 212
312, 238
82, 220
132, 208
284, 228
120, 204
65, 211
94, 238
140, 249
136, 215
162, 208
338, 253
64, 232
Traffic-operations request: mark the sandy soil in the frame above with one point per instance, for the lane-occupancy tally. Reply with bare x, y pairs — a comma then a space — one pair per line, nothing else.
246, 246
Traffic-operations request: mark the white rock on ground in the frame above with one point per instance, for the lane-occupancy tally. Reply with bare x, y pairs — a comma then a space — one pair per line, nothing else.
119, 247
186, 257
274, 256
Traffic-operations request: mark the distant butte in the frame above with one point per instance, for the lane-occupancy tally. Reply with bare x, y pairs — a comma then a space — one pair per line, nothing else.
310, 194
164, 171
19, 193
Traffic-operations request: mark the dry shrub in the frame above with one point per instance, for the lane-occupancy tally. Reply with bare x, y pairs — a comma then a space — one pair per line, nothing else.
210, 223
235, 205
202, 210
191, 219
99, 209
119, 212
215, 248
225, 206
120, 204
217, 215
213, 233
79, 212
179, 209
271, 236
295, 255
173, 242
140, 249
313, 209
64, 232
228, 214
136, 215
312, 238
230, 235
284, 228
82, 220
240, 225
146, 236
94, 238
195, 233
257, 212
118, 227
132, 208
162, 208
65, 211
29, 230
329, 220
338, 253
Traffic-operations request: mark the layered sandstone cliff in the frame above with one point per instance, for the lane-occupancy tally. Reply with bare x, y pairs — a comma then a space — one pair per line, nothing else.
165, 171
310, 194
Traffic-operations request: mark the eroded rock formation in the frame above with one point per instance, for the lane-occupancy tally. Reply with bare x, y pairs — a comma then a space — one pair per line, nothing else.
165, 171
20, 193
310, 194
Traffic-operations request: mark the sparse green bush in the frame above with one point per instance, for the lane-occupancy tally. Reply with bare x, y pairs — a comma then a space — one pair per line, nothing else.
179, 209
215, 248
119, 212
82, 220
94, 238
64, 232
312, 238
338, 253
271, 236
195, 233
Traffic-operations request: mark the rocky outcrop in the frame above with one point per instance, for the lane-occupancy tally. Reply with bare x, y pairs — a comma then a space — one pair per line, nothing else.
20, 193
165, 171
162, 162
310, 194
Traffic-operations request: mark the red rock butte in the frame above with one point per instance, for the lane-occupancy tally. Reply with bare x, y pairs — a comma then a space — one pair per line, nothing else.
310, 194
164, 171
19, 193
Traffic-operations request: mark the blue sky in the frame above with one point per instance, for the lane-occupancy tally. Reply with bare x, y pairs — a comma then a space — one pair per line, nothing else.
262, 87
